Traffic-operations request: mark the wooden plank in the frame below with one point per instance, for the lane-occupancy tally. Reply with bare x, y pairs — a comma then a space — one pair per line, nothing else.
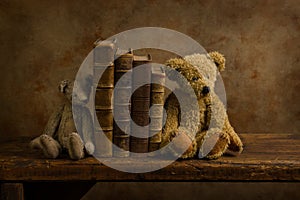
266, 157
12, 191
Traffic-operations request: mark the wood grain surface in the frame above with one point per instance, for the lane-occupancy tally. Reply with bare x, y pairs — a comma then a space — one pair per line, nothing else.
266, 157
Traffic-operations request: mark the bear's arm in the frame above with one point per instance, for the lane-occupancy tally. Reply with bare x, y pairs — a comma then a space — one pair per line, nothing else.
235, 141
53, 121
173, 111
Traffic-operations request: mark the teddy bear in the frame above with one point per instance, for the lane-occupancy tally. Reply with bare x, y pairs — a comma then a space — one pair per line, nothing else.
213, 133
60, 133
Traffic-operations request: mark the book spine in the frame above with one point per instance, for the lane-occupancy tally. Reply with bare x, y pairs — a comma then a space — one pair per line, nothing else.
123, 65
140, 104
103, 90
157, 107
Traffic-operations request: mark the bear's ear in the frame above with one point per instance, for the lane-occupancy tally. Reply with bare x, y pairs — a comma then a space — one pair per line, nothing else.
218, 59
178, 65
175, 63
63, 85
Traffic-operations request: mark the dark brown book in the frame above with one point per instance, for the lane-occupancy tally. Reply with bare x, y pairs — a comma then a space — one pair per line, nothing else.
140, 104
103, 64
122, 93
157, 106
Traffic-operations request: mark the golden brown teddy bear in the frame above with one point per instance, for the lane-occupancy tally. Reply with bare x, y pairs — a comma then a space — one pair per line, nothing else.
213, 132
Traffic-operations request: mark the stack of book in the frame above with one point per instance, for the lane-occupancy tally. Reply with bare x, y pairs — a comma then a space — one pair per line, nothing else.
113, 64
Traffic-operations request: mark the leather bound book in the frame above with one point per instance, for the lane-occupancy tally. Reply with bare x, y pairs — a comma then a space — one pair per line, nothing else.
140, 104
157, 105
103, 64
104, 52
122, 93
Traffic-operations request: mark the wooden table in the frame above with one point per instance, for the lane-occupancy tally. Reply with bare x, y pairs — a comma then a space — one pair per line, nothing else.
266, 157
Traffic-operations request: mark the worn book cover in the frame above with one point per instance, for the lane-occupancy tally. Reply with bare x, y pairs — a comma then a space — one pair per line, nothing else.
103, 88
122, 92
140, 103
157, 105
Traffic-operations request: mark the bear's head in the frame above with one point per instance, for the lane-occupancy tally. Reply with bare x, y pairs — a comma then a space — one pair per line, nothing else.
209, 64
66, 87
191, 73
82, 91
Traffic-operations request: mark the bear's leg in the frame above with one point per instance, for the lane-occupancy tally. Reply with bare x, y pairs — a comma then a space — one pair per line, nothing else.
87, 129
171, 125
235, 141
191, 151
212, 143
180, 137
35, 143
220, 147
75, 146
182, 145
50, 147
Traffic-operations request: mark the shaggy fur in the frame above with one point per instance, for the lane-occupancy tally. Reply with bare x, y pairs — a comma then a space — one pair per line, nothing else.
214, 135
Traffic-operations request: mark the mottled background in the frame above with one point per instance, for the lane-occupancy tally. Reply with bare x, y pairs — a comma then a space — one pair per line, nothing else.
43, 42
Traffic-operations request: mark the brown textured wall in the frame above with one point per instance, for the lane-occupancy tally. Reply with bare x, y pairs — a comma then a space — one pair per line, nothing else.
43, 42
